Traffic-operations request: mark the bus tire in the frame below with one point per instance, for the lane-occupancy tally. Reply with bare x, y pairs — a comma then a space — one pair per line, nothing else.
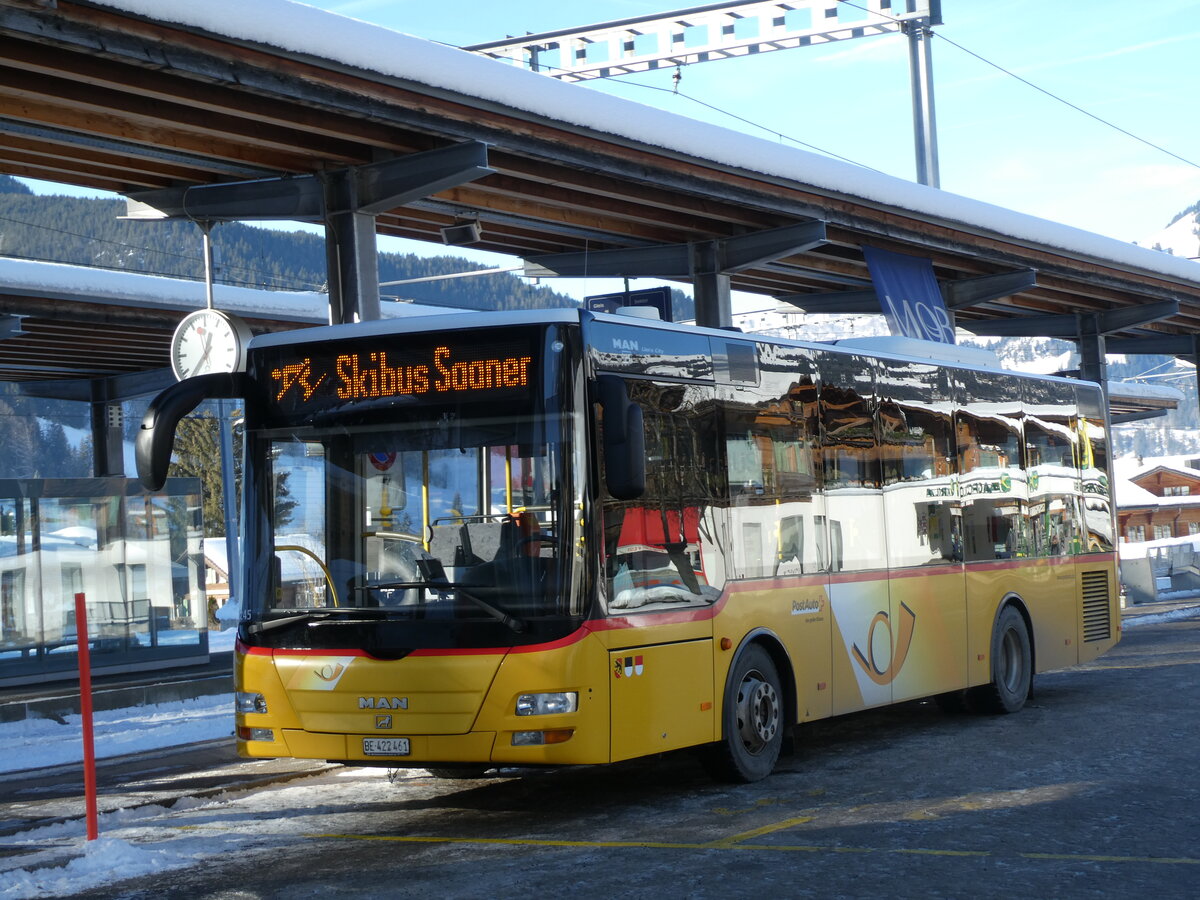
1012, 666
752, 721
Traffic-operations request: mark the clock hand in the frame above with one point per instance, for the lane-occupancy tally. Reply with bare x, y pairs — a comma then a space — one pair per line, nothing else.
208, 339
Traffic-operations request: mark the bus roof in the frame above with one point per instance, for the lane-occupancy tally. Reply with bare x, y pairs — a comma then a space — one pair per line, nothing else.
899, 349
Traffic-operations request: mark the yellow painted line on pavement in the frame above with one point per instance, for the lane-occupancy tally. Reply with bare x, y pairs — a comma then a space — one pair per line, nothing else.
813, 848
1086, 857
1154, 664
738, 843
758, 832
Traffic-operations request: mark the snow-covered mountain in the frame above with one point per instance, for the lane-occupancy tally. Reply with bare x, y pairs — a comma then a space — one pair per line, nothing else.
1180, 238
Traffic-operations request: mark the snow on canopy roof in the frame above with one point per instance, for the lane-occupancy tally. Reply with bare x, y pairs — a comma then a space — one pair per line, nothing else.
1130, 494
1148, 391
23, 276
296, 28
1176, 465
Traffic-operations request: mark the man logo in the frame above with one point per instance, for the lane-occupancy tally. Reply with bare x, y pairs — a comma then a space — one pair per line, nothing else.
383, 722
383, 703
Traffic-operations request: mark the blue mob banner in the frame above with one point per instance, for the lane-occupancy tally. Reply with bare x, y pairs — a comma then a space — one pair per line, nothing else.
909, 295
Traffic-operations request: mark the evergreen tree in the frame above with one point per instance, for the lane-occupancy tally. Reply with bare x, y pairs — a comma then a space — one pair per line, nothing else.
198, 455
19, 438
56, 450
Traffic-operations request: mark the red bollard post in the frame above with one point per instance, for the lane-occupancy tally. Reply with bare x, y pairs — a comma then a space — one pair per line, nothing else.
85, 709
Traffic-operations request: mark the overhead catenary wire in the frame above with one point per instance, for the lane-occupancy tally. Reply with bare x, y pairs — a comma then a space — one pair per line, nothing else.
1036, 87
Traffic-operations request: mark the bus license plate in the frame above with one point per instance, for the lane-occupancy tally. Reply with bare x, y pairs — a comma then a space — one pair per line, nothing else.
385, 747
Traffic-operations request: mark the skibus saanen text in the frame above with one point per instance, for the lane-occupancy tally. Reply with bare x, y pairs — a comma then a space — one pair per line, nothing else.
561, 537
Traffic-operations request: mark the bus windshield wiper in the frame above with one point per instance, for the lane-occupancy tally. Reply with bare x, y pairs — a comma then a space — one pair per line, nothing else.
272, 624
321, 617
434, 576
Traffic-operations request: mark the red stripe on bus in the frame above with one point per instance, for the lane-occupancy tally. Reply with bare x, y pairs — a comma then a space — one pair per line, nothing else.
684, 616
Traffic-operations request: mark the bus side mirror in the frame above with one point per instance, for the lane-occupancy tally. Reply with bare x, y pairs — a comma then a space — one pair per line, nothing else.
624, 440
156, 438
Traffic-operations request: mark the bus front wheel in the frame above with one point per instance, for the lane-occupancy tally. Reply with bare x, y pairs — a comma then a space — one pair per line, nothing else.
1012, 666
752, 721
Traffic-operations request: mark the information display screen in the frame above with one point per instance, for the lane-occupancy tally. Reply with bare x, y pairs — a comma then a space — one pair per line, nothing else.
371, 373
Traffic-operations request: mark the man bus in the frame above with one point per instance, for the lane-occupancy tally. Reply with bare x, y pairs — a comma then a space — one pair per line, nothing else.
560, 537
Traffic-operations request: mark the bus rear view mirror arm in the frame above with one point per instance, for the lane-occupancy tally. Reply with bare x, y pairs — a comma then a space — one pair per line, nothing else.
156, 437
624, 439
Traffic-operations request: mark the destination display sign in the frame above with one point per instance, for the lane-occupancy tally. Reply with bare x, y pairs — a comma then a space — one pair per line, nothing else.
309, 378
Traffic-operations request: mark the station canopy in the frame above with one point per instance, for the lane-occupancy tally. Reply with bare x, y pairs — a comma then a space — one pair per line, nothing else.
167, 100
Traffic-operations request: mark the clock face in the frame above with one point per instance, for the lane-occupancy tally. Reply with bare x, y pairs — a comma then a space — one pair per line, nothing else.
207, 341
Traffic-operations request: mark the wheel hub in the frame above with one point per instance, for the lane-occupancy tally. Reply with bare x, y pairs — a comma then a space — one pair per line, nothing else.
758, 712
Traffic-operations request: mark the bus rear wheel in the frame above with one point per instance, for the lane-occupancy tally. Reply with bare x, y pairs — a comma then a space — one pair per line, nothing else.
1012, 666
752, 721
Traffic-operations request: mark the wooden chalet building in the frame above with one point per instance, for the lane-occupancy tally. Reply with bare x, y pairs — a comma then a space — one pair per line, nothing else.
1166, 506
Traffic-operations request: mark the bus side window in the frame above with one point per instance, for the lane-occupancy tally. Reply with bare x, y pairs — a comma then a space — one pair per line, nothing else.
658, 544
1093, 466
916, 445
772, 468
992, 482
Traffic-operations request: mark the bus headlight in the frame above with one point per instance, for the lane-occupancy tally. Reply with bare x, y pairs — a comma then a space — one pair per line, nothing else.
245, 702
547, 704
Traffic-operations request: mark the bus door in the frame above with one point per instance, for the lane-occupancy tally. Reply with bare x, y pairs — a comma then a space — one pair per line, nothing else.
995, 502
779, 546
663, 564
927, 626
865, 651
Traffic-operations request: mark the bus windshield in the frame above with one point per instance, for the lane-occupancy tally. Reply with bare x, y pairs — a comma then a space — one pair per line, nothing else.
421, 525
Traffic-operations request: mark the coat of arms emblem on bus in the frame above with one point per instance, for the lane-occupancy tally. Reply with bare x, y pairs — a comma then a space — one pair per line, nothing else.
627, 667
897, 643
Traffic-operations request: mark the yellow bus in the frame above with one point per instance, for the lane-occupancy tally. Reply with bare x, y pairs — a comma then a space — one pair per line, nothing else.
563, 537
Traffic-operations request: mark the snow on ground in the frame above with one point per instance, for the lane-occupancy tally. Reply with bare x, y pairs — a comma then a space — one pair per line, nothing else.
150, 840
118, 732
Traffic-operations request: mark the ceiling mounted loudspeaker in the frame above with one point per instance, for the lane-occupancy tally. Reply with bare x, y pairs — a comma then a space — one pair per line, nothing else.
465, 233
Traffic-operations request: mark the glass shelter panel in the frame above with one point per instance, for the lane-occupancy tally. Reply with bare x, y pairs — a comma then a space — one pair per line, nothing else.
136, 557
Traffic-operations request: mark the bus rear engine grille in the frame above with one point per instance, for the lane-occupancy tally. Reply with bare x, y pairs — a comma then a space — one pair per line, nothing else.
1097, 623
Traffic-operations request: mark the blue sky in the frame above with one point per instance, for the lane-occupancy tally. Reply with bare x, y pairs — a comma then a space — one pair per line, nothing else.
1132, 63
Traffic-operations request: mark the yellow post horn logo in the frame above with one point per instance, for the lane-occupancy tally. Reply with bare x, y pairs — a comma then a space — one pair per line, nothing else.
898, 644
